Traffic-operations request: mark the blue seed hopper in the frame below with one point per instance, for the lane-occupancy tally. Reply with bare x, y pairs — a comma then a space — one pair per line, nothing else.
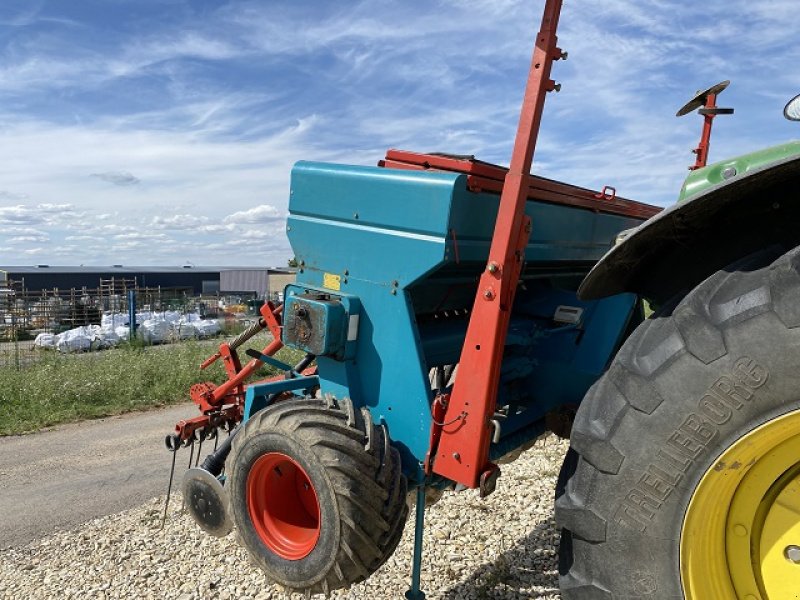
400, 251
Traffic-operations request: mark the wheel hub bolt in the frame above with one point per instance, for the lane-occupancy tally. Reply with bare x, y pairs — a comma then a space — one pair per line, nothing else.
792, 554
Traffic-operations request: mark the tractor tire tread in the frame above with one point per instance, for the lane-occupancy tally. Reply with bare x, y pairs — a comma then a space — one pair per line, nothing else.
579, 588
695, 324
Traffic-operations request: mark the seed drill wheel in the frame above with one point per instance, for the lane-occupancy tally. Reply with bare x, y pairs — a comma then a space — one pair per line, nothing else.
683, 476
317, 494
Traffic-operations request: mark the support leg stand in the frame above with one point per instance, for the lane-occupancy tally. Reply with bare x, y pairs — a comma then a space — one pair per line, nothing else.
414, 593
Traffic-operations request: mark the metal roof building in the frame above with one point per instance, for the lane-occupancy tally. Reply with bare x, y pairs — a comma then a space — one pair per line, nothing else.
261, 282
244, 281
200, 279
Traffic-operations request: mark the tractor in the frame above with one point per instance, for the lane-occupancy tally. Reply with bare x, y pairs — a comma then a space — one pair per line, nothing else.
450, 312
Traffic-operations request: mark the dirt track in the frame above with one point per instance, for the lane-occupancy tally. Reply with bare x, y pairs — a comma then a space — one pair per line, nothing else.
58, 479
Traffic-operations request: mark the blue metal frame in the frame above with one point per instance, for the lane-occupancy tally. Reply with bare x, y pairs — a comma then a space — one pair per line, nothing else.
257, 395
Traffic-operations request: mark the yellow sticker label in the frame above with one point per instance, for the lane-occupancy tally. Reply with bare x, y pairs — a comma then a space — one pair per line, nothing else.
331, 281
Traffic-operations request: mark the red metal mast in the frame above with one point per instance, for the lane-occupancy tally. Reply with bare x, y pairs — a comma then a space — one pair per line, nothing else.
705, 138
463, 441
707, 99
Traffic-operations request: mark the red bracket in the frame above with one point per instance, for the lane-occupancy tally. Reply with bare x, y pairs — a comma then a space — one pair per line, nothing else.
228, 415
608, 193
270, 313
230, 359
211, 399
438, 410
202, 394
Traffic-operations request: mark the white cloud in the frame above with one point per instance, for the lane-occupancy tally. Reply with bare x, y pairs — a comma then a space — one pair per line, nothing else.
141, 236
272, 231
178, 222
112, 228
24, 239
255, 234
263, 213
34, 215
17, 214
55, 208
129, 245
21, 231
143, 54
68, 249
4, 195
122, 178
217, 228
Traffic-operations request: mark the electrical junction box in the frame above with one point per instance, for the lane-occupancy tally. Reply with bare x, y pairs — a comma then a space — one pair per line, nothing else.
570, 315
317, 323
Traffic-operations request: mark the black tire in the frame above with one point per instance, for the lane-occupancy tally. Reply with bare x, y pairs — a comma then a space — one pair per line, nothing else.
356, 474
625, 485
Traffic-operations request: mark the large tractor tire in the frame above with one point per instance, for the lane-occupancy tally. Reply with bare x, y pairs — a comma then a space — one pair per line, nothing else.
683, 476
317, 494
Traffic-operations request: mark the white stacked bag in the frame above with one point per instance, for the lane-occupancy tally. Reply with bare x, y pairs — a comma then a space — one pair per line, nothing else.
153, 327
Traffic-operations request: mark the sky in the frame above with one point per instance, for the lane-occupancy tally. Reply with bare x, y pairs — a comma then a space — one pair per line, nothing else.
163, 132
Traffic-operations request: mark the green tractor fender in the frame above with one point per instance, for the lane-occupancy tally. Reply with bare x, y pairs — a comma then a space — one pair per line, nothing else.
726, 211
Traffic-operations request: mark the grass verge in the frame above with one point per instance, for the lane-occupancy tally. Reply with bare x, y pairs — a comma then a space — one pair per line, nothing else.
63, 388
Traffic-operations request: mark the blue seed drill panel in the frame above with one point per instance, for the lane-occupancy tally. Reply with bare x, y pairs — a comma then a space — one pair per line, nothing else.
405, 248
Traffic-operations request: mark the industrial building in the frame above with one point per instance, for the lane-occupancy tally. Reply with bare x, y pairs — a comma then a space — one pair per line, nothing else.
264, 283
260, 282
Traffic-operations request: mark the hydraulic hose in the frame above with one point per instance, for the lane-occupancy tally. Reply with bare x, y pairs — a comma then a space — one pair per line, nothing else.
215, 461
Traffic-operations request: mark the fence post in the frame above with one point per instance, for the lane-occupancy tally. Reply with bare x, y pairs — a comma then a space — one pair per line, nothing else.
15, 335
132, 314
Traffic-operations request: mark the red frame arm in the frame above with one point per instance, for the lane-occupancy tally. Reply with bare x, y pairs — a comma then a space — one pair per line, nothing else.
209, 397
462, 454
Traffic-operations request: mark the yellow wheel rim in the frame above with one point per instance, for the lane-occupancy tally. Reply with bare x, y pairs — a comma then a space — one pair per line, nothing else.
741, 535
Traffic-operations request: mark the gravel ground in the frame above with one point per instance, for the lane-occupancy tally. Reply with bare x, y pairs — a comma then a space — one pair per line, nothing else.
502, 547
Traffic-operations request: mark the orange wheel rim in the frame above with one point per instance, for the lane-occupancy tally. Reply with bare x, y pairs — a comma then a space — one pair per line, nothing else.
283, 506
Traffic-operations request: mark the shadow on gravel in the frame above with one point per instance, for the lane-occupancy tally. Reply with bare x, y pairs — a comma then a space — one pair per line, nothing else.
528, 570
